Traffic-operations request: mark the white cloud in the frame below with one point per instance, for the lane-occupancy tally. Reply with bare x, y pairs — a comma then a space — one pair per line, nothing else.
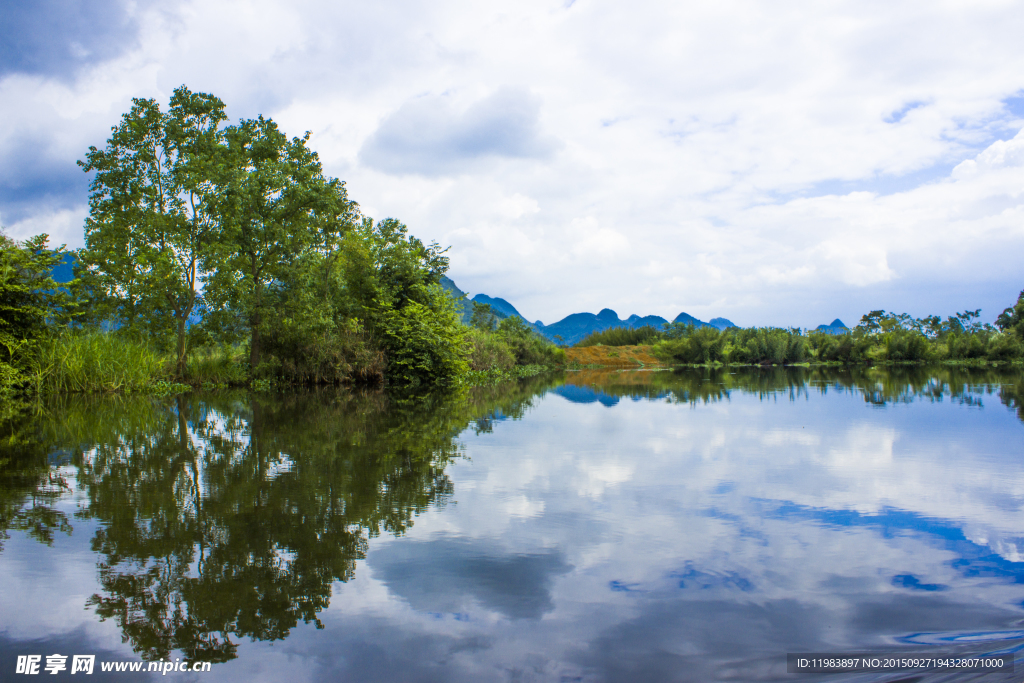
428, 137
780, 164
64, 226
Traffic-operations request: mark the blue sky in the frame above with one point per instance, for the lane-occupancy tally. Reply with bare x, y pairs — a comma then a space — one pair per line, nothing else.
774, 163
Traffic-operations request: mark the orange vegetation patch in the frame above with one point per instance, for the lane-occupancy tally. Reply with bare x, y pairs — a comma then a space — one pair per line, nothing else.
613, 356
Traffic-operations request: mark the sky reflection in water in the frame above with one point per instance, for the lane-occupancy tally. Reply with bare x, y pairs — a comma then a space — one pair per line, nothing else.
594, 527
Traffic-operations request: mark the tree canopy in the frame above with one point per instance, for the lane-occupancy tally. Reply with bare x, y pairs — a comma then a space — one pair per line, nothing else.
204, 231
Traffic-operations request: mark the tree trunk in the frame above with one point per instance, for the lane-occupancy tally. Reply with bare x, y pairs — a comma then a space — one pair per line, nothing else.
254, 345
181, 347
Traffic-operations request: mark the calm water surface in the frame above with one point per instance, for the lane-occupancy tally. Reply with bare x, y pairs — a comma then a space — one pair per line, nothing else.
627, 526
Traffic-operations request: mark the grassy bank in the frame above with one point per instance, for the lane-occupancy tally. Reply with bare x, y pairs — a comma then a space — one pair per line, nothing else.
85, 361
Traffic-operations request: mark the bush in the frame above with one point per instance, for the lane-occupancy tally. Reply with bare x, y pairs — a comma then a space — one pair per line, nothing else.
843, 348
489, 351
424, 344
328, 356
622, 336
700, 345
768, 345
528, 347
1005, 346
904, 345
225, 364
966, 346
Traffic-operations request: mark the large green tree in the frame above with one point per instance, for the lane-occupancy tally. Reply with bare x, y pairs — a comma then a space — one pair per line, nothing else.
152, 219
275, 207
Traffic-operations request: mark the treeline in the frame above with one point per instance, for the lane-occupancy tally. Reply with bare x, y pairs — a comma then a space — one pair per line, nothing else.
499, 345
223, 253
879, 337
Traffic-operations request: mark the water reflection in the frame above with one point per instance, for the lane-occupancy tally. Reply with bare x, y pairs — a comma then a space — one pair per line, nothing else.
230, 516
878, 386
662, 525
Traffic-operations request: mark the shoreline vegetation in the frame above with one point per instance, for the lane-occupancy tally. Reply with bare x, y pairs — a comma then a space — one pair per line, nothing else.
222, 256
880, 338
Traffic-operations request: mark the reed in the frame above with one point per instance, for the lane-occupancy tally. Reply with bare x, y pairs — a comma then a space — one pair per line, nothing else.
216, 365
77, 361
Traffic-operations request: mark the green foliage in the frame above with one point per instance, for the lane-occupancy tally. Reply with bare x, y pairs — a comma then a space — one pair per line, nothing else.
275, 207
528, 347
152, 224
391, 283
239, 223
216, 365
880, 337
838, 348
338, 354
697, 345
75, 361
425, 343
767, 345
30, 304
488, 352
758, 345
623, 336
904, 345
30, 300
483, 317
1012, 318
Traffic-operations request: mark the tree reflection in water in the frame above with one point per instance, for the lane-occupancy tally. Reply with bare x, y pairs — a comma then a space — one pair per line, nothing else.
877, 385
230, 515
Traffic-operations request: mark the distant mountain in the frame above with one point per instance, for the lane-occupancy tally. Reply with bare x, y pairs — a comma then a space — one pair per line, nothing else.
65, 270
461, 302
575, 327
577, 394
501, 308
635, 321
835, 327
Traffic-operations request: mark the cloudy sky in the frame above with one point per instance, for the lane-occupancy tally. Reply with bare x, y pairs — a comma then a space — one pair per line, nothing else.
774, 163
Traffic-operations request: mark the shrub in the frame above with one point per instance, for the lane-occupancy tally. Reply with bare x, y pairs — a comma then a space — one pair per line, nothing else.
622, 336
528, 347
844, 348
769, 345
904, 345
337, 354
424, 344
700, 345
489, 351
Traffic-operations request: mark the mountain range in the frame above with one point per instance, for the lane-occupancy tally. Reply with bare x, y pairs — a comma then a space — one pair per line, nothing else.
575, 327
566, 331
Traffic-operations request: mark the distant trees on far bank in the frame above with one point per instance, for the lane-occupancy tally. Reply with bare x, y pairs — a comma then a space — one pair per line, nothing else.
879, 337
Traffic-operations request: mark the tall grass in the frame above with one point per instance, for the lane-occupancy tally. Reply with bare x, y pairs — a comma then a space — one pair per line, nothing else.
622, 336
75, 361
216, 365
